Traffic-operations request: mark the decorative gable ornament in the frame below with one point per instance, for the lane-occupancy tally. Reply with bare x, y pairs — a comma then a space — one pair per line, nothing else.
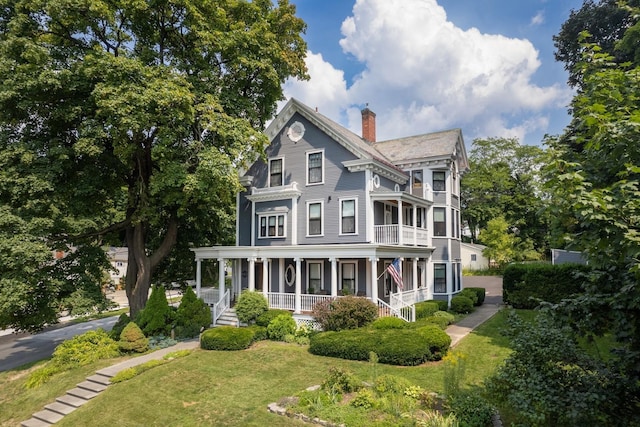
296, 131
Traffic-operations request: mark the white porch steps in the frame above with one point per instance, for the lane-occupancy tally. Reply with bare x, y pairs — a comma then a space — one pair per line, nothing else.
229, 318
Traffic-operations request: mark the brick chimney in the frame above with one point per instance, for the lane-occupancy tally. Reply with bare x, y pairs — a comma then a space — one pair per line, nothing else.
368, 125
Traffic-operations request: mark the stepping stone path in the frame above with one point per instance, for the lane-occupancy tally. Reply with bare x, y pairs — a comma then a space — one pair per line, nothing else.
92, 386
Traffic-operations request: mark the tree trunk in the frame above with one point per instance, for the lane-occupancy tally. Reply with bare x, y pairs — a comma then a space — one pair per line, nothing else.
140, 266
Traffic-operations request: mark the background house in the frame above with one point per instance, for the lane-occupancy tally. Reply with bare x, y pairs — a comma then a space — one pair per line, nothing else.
472, 258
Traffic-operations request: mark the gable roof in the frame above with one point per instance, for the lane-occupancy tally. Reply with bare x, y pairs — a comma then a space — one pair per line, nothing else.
387, 154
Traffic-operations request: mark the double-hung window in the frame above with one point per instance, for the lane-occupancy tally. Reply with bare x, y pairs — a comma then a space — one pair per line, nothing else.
439, 222
275, 172
439, 278
314, 222
315, 167
348, 277
315, 276
439, 181
272, 226
348, 216
416, 179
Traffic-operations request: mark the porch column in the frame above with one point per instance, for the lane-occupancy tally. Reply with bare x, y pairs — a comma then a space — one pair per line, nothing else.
298, 296
415, 279
415, 225
400, 222
374, 279
334, 276
220, 278
265, 278
252, 274
198, 276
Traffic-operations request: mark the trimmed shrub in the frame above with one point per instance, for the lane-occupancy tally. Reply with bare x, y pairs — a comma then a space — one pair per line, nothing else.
440, 322
406, 347
443, 305
122, 321
471, 409
250, 305
265, 318
426, 309
226, 338
282, 325
445, 314
480, 293
436, 340
525, 285
157, 317
259, 332
160, 341
471, 294
132, 339
389, 323
461, 304
192, 316
345, 313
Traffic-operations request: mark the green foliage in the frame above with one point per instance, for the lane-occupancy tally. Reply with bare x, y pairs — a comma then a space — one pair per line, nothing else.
480, 294
345, 313
446, 315
280, 326
389, 323
501, 245
392, 346
122, 321
157, 317
147, 113
192, 316
549, 379
77, 351
439, 321
132, 339
525, 285
250, 305
158, 342
390, 384
226, 338
461, 304
128, 373
455, 366
341, 381
364, 399
265, 318
259, 332
443, 305
426, 309
471, 409
471, 294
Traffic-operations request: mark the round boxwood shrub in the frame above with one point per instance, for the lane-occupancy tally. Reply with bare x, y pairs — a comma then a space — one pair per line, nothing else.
281, 326
265, 318
132, 339
259, 332
440, 322
446, 315
471, 294
192, 316
157, 317
426, 309
226, 338
348, 312
250, 305
461, 304
443, 305
480, 293
389, 323
436, 339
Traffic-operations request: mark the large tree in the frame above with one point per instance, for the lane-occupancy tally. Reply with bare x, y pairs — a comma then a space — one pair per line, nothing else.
504, 181
606, 21
125, 121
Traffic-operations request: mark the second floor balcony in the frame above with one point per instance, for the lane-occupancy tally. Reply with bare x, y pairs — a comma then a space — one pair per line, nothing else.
398, 234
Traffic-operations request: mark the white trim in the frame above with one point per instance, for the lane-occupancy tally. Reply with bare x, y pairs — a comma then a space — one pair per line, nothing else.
322, 217
307, 154
293, 275
269, 160
267, 215
321, 263
355, 214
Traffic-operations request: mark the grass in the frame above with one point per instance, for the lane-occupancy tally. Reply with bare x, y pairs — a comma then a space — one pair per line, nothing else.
228, 388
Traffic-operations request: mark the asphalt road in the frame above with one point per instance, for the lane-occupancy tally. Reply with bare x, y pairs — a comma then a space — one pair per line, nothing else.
19, 349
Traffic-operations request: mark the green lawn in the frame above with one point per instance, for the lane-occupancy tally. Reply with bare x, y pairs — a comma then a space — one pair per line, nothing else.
228, 388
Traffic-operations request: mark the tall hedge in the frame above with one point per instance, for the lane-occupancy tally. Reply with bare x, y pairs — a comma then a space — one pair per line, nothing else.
524, 284
157, 317
193, 314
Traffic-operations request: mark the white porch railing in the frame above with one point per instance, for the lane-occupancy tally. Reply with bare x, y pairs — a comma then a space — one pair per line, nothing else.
389, 235
309, 300
219, 307
209, 295
407, 312
286, 301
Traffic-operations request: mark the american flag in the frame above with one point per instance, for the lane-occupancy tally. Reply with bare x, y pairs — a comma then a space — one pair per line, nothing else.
394, 271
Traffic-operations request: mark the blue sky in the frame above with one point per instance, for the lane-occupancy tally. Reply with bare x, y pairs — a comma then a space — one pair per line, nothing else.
485, 66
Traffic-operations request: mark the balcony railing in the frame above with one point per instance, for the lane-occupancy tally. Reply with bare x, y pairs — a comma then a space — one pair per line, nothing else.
390, 235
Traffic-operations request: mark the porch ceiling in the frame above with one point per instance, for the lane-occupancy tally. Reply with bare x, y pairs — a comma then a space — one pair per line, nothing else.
385, 196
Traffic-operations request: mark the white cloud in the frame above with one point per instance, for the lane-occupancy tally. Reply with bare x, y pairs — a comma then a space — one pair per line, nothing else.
421, 73
538, 19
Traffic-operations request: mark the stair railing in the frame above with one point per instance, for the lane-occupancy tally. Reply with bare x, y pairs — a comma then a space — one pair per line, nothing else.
220, 307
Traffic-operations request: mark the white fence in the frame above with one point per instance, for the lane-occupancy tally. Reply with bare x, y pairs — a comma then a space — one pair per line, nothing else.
390, 235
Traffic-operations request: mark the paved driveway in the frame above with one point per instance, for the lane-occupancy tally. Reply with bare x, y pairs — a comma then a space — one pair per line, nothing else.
493, 285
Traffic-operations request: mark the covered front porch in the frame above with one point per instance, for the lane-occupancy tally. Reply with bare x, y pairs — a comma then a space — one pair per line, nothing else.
297, 278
